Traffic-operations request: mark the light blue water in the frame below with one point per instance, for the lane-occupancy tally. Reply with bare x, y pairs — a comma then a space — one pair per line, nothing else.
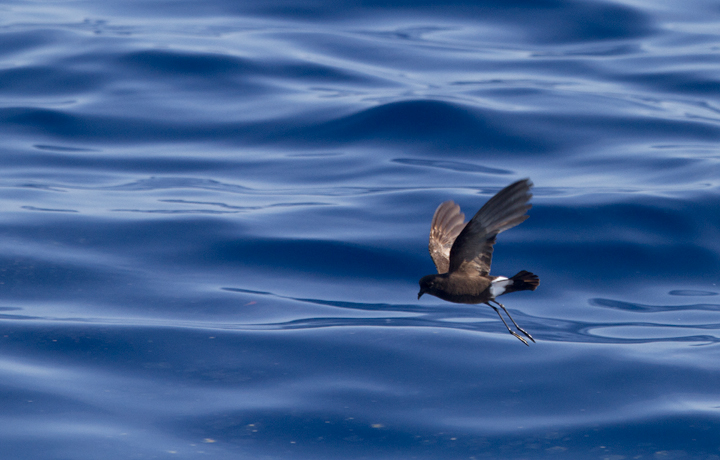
215, 215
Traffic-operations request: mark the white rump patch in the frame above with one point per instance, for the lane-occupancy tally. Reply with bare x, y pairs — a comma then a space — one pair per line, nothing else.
498, 285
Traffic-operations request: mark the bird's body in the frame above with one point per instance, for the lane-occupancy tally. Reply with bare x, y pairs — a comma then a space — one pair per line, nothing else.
459, 288
462, 253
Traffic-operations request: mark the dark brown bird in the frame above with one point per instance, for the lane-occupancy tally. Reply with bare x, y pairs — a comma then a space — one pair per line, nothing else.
463, 252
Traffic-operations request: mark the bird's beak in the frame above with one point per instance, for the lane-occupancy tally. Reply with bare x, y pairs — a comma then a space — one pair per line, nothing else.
420, 293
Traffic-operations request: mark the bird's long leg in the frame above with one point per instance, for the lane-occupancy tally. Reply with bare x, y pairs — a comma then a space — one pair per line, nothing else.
508, 327
511, 319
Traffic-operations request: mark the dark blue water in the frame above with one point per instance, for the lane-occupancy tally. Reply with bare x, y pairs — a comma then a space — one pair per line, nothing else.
215, 215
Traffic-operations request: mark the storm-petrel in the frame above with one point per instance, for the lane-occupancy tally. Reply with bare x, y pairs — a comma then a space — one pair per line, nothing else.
463, 252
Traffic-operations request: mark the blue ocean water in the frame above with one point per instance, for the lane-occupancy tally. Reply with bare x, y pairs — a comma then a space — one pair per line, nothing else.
215, 215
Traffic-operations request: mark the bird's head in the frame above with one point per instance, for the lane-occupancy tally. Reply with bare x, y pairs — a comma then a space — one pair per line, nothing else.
429, 284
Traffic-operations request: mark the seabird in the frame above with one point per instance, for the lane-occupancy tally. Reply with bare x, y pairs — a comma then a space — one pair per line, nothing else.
462, 253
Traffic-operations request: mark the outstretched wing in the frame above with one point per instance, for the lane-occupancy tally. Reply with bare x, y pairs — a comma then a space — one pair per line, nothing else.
447, 223
473, 247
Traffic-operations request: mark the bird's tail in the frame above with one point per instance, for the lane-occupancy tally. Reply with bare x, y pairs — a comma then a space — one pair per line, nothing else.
523, 281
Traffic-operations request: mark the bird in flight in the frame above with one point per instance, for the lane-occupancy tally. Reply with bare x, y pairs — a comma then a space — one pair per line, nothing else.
462, 252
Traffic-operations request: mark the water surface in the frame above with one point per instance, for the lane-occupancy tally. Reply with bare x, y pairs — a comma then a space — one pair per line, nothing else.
215, 215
